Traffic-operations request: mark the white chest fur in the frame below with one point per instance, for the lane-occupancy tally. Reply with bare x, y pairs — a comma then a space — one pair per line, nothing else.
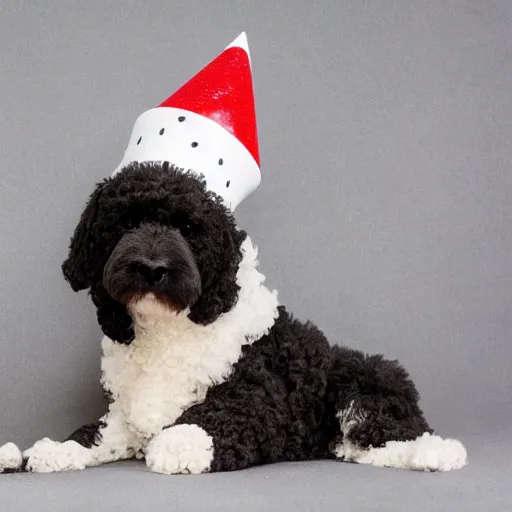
172, 361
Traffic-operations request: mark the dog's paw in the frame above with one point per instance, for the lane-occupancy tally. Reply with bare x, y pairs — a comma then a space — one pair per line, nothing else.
47, 456
11, 458
433, 453
182, 449
425, 453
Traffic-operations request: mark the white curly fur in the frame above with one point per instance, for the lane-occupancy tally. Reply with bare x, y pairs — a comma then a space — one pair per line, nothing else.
10, 457
180, 449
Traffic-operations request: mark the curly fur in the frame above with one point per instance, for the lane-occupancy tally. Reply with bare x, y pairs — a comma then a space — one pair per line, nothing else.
203, 369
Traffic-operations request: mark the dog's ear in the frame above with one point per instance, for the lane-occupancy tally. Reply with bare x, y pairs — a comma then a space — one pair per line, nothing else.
219, 287
113, 318
78, 268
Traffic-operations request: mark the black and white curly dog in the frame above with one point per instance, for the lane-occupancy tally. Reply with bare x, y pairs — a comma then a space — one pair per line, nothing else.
203, 369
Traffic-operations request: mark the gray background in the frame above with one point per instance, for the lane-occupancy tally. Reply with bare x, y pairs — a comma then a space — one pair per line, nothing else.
384, 212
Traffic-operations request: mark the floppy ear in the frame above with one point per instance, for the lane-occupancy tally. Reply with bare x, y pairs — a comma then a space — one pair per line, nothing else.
220, 289
114, 319
78, 268
79, 271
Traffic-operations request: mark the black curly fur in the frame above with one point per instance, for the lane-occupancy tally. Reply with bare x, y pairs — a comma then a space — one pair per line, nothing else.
379, 390
88, 435
281, 401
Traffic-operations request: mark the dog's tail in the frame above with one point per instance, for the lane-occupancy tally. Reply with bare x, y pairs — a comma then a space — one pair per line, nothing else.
11, 459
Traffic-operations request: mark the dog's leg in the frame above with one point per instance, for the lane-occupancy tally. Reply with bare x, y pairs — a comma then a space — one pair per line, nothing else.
225, 433
193, 448
425, 452
105, 441
215, 442
381, 422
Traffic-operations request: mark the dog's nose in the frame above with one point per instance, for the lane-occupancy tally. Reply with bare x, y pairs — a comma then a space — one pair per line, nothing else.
152, 272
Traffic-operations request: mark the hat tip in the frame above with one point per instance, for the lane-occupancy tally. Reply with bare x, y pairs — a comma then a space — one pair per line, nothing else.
240, 42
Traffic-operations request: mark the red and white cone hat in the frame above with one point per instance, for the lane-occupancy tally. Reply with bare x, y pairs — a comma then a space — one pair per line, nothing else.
208, 125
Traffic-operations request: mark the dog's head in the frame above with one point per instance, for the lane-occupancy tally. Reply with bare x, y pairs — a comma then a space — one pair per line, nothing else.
154, 229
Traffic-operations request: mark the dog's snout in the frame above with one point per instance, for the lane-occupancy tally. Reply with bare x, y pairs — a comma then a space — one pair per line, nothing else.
153, 259
153, 273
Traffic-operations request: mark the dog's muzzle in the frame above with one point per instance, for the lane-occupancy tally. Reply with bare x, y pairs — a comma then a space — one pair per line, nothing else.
153, 259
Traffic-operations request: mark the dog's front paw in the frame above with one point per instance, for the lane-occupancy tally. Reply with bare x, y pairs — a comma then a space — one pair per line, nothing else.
11, 458
183, 449
47, 456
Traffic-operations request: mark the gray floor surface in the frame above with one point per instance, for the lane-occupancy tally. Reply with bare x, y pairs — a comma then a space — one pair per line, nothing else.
484, 485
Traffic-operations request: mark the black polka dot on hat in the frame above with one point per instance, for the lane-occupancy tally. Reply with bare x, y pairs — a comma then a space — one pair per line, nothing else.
221, 161
140, 138
194, 144
181, 119
227, 183
162, 131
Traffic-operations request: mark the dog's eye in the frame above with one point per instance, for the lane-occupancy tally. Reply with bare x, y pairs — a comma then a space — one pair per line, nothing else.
185, 229
127, 223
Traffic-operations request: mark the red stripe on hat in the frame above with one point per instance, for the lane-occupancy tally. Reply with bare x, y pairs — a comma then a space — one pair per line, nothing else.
223, 92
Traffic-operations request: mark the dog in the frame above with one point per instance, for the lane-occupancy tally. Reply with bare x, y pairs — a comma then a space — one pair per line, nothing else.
203, 369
